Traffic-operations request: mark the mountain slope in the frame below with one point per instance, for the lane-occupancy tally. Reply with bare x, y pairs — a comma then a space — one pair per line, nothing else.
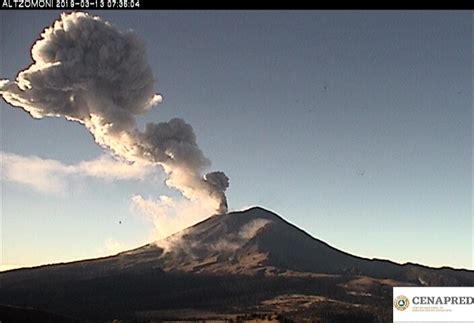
257, 240
250, 262
254, 241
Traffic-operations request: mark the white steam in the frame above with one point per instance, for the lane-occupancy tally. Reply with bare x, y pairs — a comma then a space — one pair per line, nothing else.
231, 242
88, 71
168, 215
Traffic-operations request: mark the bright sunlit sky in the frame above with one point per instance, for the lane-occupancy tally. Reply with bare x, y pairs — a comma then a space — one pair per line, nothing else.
354, 126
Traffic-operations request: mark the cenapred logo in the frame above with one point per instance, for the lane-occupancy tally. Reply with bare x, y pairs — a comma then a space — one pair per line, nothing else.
433, 304
401, 302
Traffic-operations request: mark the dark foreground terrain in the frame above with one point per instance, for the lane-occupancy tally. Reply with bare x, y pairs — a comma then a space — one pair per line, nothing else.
242, 266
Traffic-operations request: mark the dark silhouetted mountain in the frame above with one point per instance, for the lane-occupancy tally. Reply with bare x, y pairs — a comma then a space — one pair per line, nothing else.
249, 261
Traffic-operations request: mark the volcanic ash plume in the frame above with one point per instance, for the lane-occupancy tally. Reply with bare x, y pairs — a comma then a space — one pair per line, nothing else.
87, 71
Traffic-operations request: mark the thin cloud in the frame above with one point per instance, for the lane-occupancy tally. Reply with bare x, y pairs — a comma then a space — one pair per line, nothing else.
51, 176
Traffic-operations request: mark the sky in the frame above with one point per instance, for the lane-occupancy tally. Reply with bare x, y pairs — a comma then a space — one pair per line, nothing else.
356, 126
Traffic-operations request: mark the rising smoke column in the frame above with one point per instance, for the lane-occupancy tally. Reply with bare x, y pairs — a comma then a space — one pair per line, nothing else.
88, 71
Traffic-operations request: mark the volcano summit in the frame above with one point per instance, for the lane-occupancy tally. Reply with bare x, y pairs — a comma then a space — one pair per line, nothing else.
251, 262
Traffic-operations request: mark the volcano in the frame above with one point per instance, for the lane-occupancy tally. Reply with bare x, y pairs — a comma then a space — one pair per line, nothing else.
251, 262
